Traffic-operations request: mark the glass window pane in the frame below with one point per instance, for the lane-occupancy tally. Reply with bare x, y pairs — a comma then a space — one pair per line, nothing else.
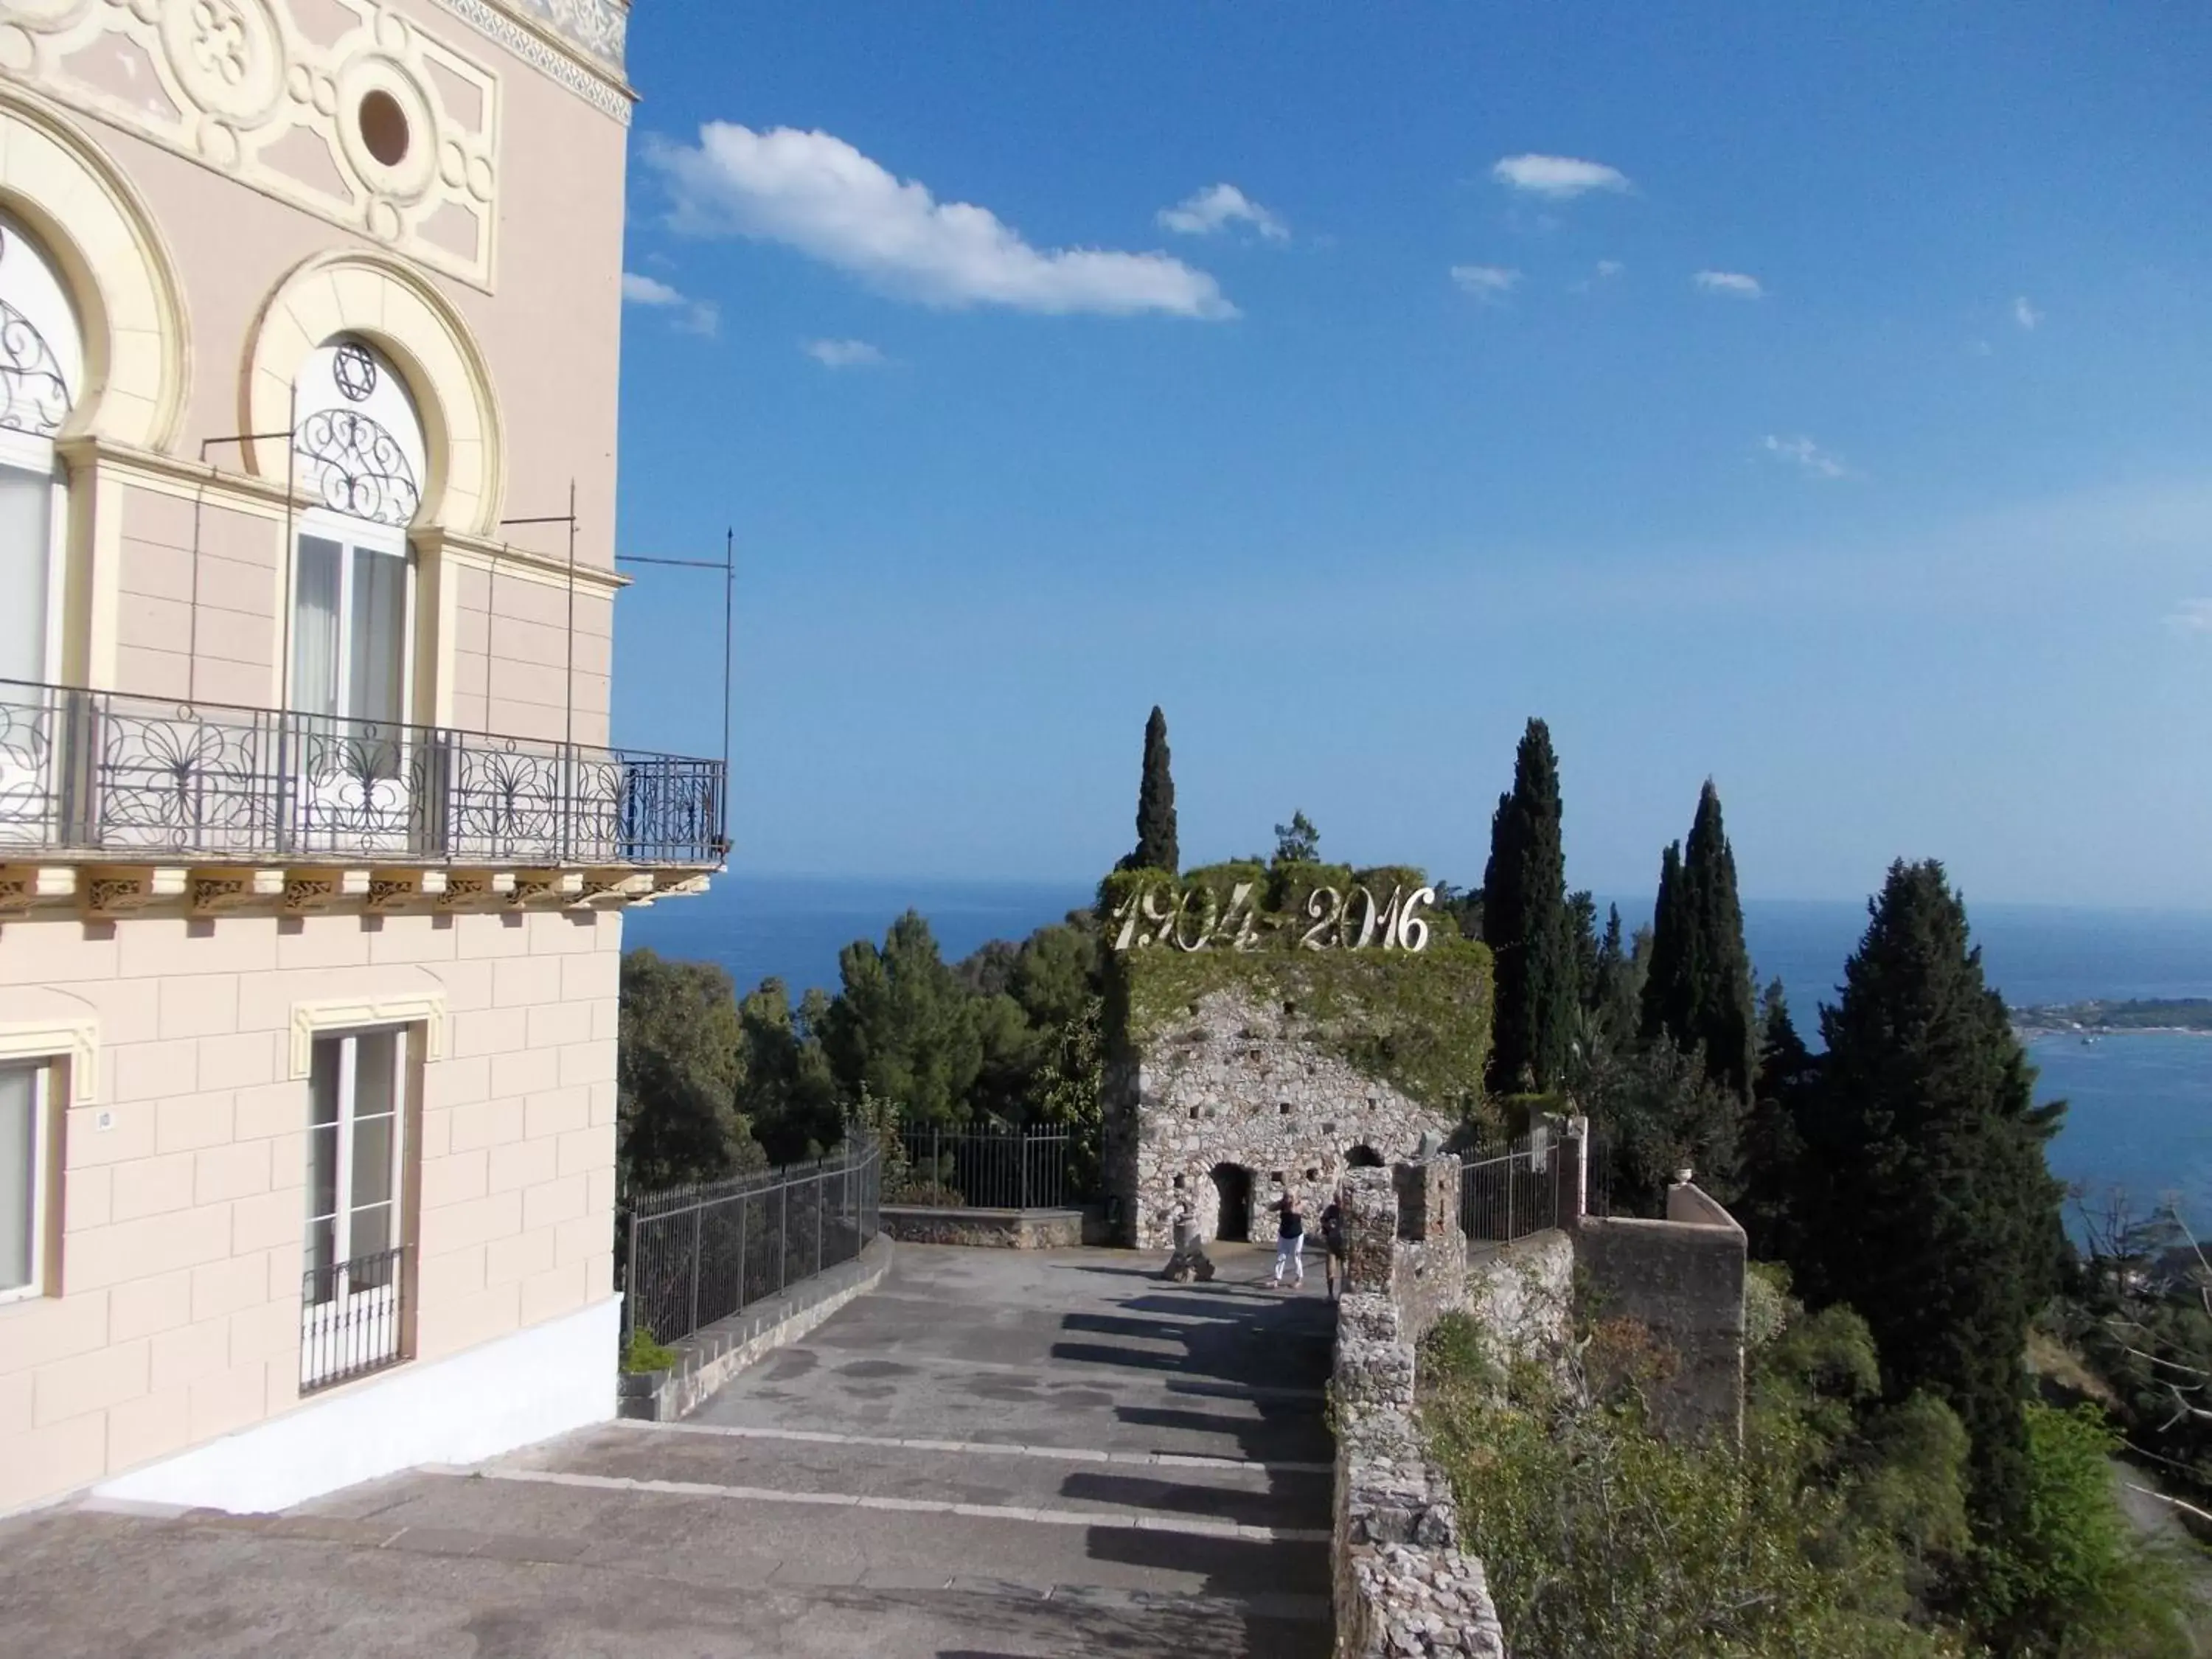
329, 1054
372, 1164
322, 1172
372, 1235
26, 499
322, 1252
377, 651
19, 1174
315, 627
376, 1074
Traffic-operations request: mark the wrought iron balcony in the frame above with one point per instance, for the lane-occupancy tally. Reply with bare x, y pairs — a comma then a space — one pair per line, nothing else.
102, 775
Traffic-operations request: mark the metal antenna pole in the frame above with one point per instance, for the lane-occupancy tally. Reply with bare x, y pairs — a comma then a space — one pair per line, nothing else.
729, 602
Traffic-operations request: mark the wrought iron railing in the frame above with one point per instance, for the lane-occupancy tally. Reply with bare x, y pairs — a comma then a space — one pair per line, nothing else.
695, 1255
996, 1169
1508, 1193
353, 1318
105, 773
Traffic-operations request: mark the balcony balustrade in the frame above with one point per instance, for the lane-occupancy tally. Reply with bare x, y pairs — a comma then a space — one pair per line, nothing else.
99, 774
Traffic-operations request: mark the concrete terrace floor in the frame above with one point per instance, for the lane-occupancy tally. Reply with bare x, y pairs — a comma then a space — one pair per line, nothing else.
994, 1454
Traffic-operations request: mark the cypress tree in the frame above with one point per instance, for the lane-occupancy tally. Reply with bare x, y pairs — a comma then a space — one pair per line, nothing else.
1773, 1144
1929, 1207
1666, 999
1699, 993
1156, 811
1525, 923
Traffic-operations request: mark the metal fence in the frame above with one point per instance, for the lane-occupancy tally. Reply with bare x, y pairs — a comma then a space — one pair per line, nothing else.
102, 772
352, 1314
698, 1254
988, 1169
1509, 1192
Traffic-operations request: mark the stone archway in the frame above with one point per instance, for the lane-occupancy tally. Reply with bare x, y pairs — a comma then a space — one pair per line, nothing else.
1232, 1188
1362, 1157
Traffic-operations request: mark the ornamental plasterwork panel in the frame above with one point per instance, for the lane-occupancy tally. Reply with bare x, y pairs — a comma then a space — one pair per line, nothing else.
339, 107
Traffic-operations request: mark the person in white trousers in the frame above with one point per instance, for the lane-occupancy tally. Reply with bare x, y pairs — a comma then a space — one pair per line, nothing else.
1289, 1242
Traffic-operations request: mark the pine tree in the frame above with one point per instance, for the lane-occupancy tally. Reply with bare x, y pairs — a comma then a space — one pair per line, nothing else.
1928, 1205
1525, 923
1701, 993
1156, 811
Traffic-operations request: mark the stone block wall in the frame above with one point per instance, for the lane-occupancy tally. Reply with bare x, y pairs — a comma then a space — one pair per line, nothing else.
1242, 1085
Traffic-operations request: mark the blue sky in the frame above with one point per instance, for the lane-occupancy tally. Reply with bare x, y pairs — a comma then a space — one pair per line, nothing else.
1819, 398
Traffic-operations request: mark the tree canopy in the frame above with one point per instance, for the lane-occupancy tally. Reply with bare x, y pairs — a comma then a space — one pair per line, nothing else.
1525, 921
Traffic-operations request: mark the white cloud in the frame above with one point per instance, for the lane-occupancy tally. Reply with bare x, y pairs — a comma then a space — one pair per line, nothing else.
842, 354
2195, 616
1729, 281
692, 316
1806, 454
814, 192
1218, 206
2026, 314
1486, 281
1556, 176
1608, 267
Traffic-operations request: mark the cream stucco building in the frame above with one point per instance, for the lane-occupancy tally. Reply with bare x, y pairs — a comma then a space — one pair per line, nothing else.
312, 850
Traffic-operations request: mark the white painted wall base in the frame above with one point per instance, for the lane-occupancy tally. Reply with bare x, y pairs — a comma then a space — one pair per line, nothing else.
461, 1409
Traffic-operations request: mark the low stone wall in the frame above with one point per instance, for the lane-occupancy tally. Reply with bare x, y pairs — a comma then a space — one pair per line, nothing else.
1681, 1278
1003, 1229
713, 1356
1523, 1293
1402, 1584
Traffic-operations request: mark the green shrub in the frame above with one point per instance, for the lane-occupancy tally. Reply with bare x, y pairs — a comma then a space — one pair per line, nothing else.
644, 1354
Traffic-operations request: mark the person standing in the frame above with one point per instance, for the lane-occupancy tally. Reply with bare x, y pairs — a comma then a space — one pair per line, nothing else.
1332, 1242
1289, 1240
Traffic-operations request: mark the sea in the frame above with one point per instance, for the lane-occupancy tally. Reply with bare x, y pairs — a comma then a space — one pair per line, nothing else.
2139, 1104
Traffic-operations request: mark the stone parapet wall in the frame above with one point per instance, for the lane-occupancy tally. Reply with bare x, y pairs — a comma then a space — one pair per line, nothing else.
1402, 1583
1682, 1280
1006, 1229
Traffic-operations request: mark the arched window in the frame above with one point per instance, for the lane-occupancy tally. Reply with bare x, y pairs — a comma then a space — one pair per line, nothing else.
41, 373
357, 445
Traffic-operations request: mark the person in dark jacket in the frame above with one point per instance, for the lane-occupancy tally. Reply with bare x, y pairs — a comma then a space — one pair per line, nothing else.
1289, 1240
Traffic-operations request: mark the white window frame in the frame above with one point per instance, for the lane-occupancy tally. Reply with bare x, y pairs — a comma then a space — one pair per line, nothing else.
21, 452
355, 537
354, 1332
42, 1177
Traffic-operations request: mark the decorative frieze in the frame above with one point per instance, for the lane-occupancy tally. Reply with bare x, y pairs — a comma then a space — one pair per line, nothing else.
535, 886
215, 891
356, 115
479, 889
593, 76
308, 890
118, 891
25, 886
396, 889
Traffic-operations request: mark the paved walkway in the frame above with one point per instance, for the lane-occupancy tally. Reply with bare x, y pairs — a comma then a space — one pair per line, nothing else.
994, 1454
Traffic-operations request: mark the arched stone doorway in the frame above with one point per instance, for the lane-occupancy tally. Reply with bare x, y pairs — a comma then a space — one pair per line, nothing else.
1362, 1157
1232, 1187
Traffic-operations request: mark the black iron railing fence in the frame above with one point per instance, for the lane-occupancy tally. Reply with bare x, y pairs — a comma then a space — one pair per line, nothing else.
102, 773
695, 1255
1509, 1191
996, 1169
353, 1318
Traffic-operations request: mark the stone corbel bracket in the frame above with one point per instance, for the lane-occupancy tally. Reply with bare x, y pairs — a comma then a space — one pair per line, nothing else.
309, 890
122, 890
27, 887
404, 889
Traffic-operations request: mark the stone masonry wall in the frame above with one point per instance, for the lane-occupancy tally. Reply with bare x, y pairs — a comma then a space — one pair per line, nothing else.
1242, 1085
1402, 1584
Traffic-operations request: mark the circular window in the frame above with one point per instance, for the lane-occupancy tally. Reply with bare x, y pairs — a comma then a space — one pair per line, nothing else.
384, 128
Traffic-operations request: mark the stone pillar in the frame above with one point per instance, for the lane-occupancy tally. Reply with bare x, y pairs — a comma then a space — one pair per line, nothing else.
1371, 1229
1428, 1200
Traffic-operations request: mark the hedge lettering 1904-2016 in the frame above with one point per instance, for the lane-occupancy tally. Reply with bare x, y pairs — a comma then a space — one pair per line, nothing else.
1196, 919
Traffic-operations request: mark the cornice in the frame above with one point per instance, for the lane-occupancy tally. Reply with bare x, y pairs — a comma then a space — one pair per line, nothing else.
579, 42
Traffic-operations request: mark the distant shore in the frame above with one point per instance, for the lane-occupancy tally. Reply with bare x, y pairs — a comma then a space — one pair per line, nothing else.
2176, 1016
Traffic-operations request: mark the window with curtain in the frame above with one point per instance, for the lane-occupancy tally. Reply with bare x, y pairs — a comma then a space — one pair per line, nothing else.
41, 367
